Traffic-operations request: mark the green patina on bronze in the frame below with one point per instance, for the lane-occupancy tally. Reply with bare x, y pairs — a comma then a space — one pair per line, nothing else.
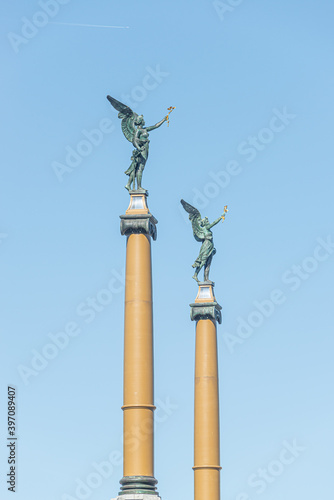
202, 232
139, 223
134, 130
206, 310
138, 485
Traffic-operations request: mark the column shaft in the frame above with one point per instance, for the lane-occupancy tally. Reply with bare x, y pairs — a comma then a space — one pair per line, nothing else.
206, 468
138, 359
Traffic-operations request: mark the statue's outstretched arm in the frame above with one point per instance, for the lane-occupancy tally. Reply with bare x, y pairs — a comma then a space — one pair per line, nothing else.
222, 217
157, 125
215, 222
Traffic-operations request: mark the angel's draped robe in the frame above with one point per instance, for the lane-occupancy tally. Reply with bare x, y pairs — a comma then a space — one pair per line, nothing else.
207, 250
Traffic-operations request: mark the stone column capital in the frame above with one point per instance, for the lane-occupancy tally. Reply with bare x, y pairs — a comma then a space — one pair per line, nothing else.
137, 218
139, 224
205, 305
206, 310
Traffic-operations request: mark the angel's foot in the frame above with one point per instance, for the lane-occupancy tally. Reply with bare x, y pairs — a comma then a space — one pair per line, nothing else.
195, 278
140, 189
128, 187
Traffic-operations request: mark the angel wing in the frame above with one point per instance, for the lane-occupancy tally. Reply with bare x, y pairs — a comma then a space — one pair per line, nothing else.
127, 116
195, 218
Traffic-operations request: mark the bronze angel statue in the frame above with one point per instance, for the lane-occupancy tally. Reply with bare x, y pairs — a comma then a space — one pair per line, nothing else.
202, 232
133, 127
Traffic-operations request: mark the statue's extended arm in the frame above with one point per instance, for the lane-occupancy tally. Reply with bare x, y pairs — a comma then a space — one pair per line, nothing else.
215, 222
157, 125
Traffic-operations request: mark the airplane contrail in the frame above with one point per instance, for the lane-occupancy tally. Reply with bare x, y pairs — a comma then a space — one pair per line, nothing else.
91, 25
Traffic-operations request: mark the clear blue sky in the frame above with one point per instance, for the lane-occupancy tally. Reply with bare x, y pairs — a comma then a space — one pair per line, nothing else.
252, 83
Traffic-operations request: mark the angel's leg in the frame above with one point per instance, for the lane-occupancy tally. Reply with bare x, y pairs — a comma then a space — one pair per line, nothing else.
131, 179
195, 275
207, 268
197, 270
128, 186
140, 174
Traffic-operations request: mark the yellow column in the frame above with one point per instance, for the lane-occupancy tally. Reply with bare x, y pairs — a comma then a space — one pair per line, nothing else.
139, 225
206, 312
138, 359
206, 468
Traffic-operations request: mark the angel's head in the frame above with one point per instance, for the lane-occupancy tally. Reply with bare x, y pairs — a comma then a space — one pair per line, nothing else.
140, 121
204, 221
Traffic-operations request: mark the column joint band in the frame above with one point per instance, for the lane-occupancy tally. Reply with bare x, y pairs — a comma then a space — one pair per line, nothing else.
218, 467
138, 406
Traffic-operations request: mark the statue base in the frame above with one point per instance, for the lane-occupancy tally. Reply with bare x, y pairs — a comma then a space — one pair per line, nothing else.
138, 191
138, 202
205, 292
205, 305
138, 218
207, 282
